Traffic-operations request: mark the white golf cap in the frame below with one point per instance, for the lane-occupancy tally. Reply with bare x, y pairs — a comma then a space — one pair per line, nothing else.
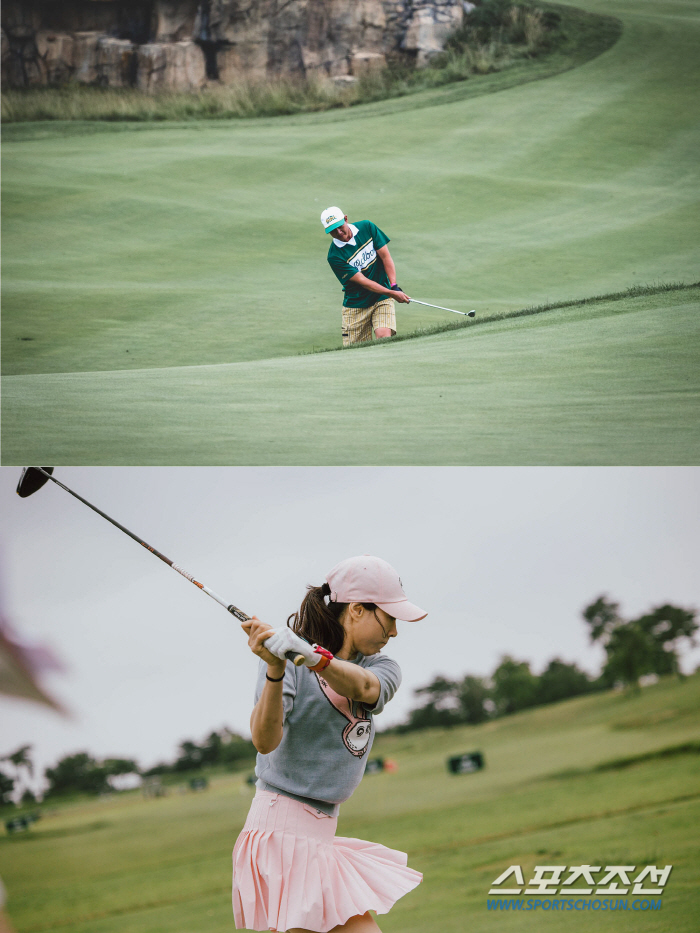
331, 218
371, 580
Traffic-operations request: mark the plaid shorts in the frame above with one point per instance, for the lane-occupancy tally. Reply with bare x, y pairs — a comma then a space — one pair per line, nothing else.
358, 323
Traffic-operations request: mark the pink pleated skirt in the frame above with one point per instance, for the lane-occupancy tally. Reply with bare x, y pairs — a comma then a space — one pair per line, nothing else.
291, 870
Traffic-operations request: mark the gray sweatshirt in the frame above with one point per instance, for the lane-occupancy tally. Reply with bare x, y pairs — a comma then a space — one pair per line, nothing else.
326, 738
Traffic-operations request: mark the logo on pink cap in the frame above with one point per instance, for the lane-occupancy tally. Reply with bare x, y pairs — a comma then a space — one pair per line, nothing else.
369, 579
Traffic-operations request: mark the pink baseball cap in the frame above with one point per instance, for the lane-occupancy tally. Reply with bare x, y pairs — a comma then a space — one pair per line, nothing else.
371, 580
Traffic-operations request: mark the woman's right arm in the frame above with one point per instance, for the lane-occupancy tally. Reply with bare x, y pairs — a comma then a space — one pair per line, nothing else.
267, 719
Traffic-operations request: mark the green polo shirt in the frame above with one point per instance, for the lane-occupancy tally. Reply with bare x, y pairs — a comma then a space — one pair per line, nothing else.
359, 255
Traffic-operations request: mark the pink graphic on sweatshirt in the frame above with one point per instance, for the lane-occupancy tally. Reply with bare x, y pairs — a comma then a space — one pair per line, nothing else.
356, 734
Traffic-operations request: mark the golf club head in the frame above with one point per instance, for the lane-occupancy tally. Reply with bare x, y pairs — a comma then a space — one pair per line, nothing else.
31, 480
471, 313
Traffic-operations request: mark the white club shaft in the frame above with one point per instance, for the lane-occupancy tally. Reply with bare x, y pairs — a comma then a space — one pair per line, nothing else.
428, 305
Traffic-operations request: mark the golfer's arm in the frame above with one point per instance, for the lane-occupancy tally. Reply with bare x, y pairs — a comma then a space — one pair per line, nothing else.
360, 279
267, 719
389, 267
352, 681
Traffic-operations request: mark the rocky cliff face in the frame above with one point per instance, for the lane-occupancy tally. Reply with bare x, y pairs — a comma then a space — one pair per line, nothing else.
182, 44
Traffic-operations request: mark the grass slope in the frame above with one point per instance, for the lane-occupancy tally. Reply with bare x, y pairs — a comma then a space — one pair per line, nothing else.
609, 382
137, 866
144, 248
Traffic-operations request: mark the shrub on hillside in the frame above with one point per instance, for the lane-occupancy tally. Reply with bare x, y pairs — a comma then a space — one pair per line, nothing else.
507, 23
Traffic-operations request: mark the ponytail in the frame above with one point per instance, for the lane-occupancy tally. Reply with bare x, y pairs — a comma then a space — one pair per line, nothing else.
319, 621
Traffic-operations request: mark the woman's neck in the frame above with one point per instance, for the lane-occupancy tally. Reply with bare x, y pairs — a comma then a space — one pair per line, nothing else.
348, 652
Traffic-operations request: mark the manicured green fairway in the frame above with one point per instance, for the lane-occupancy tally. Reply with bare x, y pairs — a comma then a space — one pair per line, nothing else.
163, 866
606, 383
132, 250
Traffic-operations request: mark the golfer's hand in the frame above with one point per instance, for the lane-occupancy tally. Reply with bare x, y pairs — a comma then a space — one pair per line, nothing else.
257, 633
284, 639
400, 297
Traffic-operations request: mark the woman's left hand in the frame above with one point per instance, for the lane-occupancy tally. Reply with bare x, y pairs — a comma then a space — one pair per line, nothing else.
284, 640
258, 632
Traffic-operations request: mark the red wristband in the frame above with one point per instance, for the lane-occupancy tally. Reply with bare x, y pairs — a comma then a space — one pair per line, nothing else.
326, 658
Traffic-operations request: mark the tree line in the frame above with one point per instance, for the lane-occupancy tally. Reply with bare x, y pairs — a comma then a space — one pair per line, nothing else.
649, 644
634, 648
82, 773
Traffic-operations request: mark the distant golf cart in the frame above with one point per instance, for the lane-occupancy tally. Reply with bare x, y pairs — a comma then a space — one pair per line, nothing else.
466, 763
20, 824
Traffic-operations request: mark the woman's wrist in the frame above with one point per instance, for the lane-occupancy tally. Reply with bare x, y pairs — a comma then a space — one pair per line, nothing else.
325, 658
276, 671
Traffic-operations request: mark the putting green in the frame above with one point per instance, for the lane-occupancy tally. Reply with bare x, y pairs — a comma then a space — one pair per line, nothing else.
130, 251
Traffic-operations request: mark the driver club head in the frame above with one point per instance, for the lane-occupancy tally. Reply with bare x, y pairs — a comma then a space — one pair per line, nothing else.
471, 313
32, 479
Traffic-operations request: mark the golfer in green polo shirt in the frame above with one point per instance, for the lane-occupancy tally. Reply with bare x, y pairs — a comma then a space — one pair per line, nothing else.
359, 257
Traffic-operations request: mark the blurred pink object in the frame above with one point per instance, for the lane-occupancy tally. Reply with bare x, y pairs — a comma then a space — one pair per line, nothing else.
22, 663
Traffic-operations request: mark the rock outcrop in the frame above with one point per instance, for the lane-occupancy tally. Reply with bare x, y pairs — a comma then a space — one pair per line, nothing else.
170, 66
429, 26
180, 44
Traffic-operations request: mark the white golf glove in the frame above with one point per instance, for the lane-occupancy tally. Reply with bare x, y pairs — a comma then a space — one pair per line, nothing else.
283, 639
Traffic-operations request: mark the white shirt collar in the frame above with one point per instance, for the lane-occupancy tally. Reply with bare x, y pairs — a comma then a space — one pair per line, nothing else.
349, 242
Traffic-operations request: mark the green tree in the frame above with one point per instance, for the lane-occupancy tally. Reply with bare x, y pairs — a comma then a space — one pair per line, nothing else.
429, 716
442, 707
22, 763
190, 757
22, 760
473, 693
514, 686
211, 748
7, 785
559, 681
120, 766
602, 617
76, 773
665, 627
646, 645
235, 748
629, 655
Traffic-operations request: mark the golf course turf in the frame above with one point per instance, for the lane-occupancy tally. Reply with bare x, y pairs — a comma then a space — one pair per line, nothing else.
607, 779
161, 283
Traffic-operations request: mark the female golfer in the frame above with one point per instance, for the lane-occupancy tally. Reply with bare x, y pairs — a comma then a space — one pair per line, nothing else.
312, 727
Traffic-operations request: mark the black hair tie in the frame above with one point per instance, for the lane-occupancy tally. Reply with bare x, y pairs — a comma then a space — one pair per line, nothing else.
325, 590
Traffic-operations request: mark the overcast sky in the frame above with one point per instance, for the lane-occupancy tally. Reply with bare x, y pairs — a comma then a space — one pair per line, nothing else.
503, 560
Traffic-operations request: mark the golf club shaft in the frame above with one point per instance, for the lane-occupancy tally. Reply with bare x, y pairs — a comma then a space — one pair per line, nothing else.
428, 305
234, 610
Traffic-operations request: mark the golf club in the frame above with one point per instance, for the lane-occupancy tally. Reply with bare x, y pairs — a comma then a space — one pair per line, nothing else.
33, 478
428, 305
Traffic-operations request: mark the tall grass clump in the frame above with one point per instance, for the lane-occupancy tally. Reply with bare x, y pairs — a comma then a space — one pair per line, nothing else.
503, 31
246, 98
